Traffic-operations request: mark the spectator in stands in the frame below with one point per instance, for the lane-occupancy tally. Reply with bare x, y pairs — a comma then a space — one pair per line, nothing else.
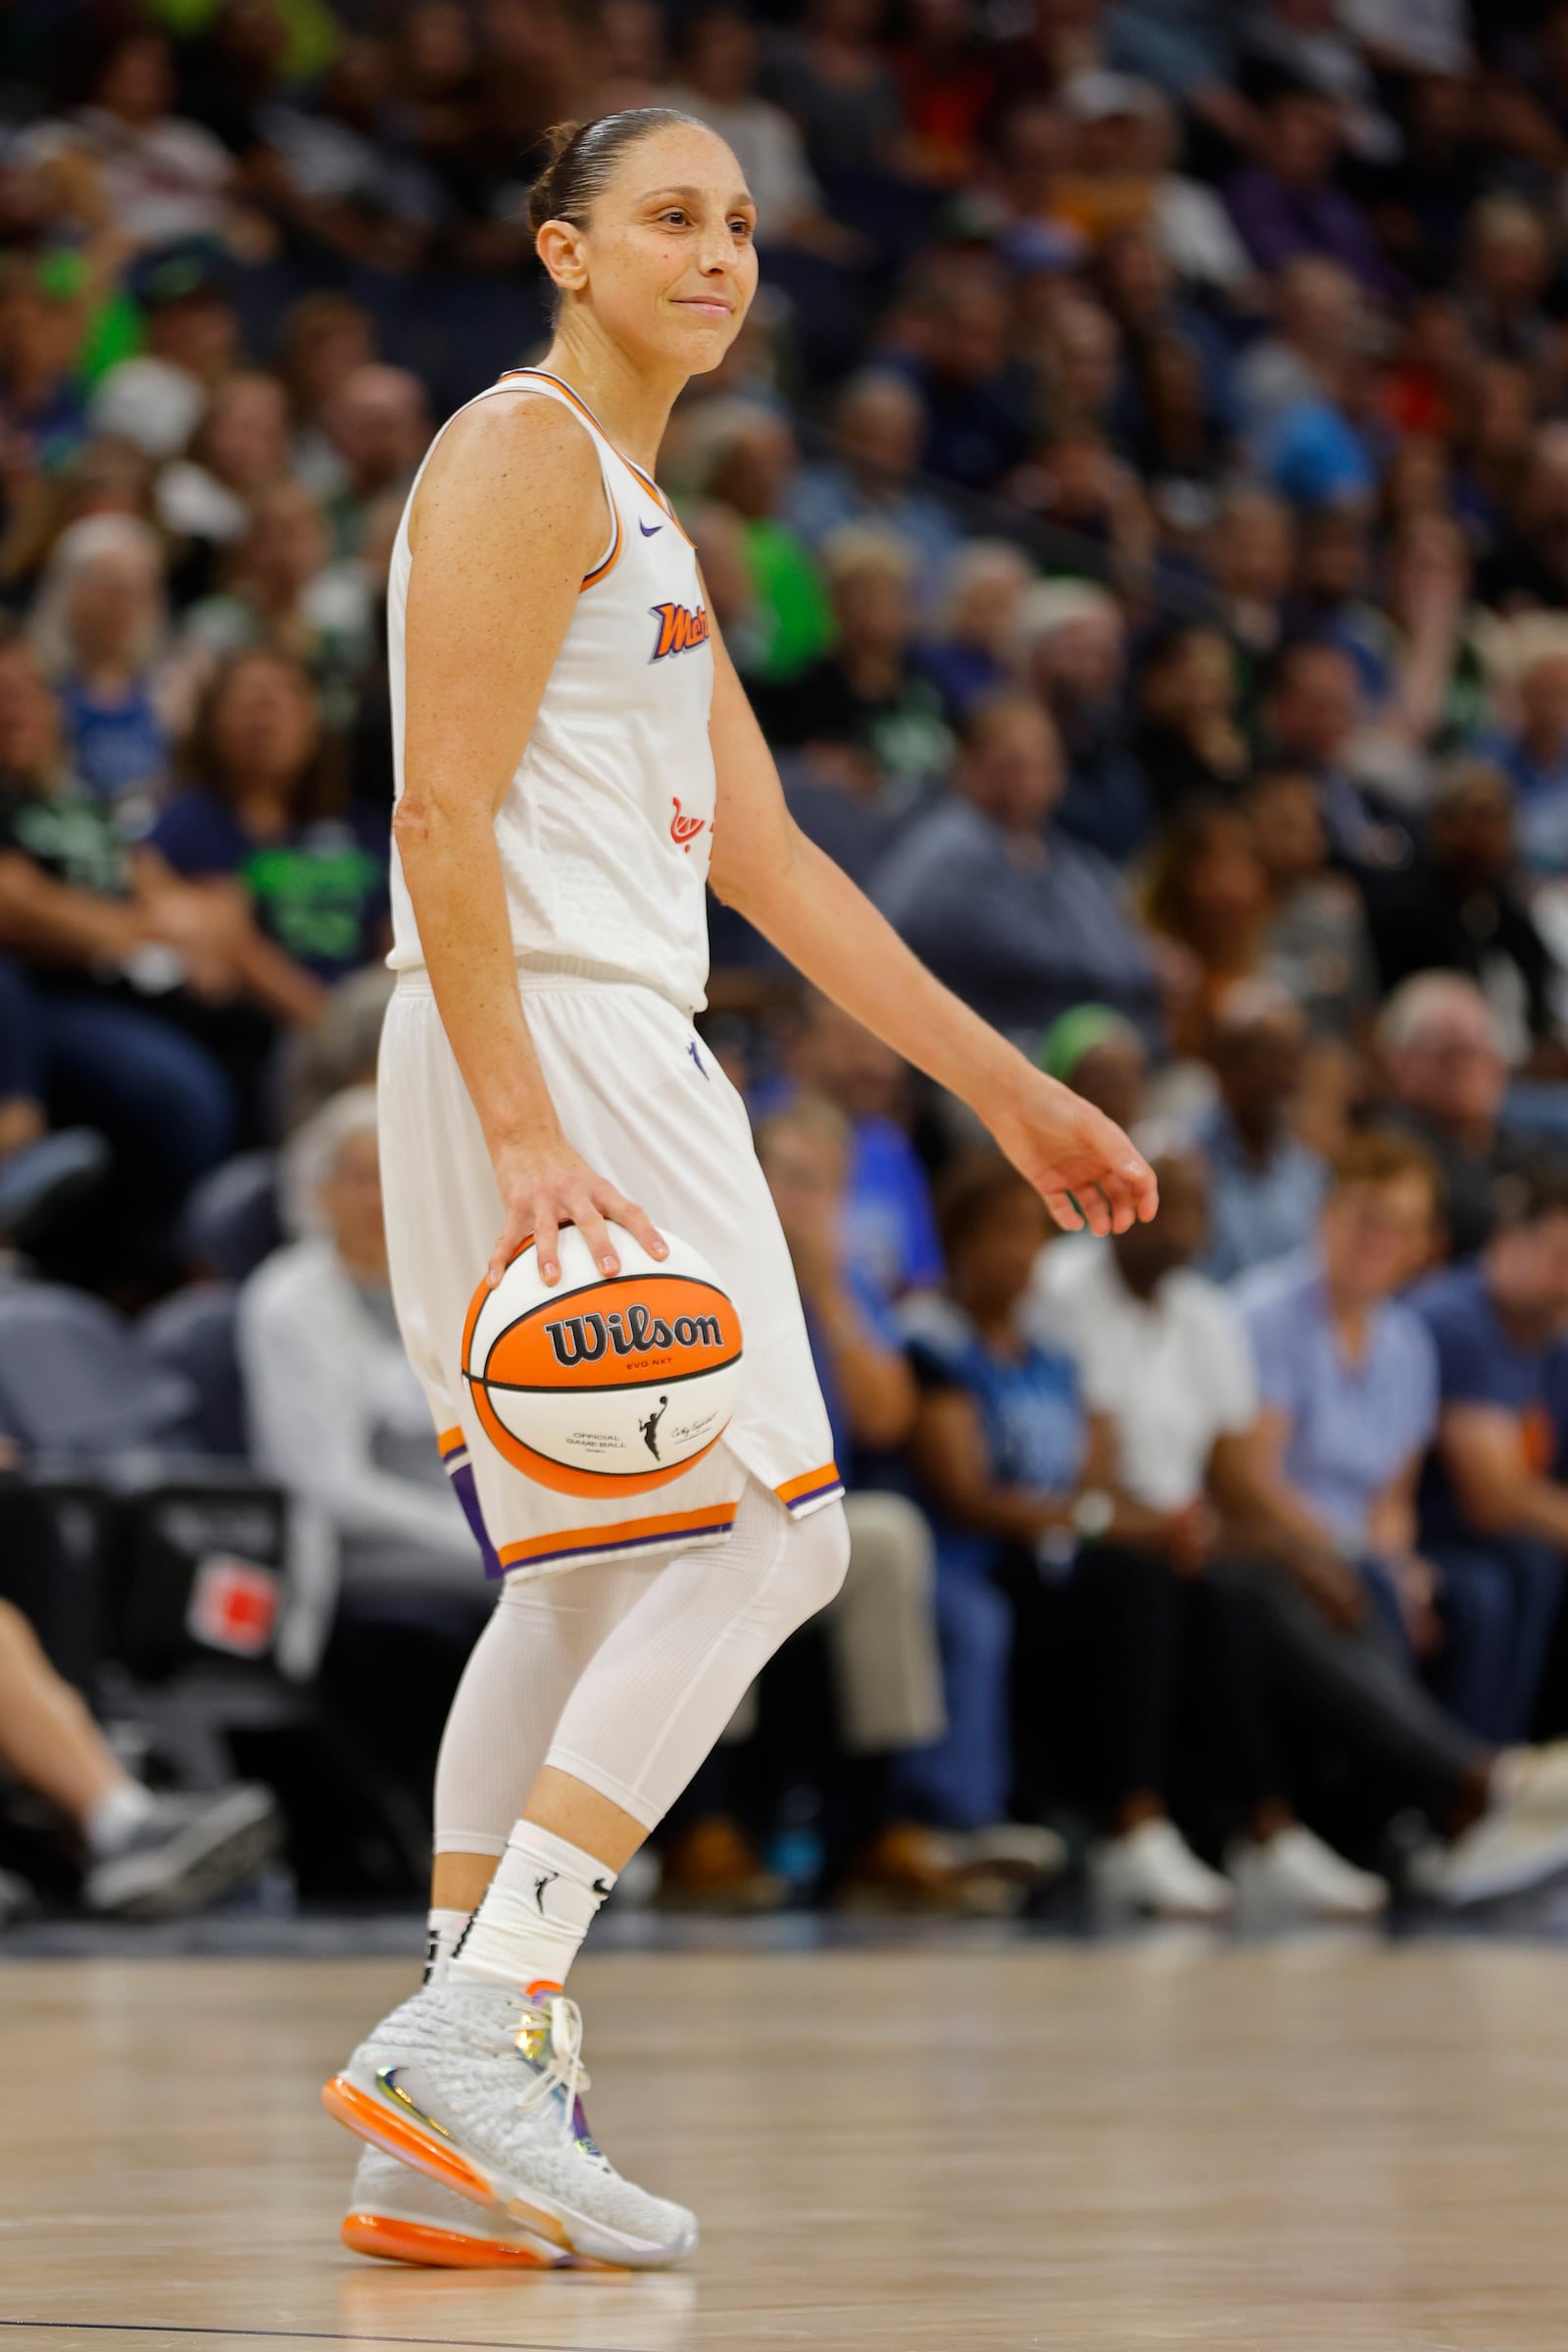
1267, 1186
155, 398
1011, 912
1172, 1373
286, 593
832, 78
377, 423
1251, 551
102, 964
1347, 1375
336, 1414
1287, 204
881, 1628
1311, 716
974, 395
1448, 1079
1002, 1455
161, 177
1534, 753
98, 626
1101, 1056
1492, 1518
868, 690
890, 1228
1456, 907
1165, 1367
1206, 888
147, 1856
718, 66
971, 638
1186, 741
1529, 563
876, 424
1069, 646
743, 456
239, 450
1317, 942
1319, 322
257, 815
325, 340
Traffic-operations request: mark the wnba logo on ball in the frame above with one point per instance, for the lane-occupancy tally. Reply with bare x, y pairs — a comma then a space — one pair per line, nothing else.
583, 1338
602, 1385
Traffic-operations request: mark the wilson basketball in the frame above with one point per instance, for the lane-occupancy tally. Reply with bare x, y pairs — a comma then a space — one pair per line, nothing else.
604, 1384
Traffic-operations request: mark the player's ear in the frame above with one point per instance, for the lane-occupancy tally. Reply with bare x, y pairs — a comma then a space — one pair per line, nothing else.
560, 247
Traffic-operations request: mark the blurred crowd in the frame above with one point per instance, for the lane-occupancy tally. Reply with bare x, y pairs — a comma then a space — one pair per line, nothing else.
1137, 503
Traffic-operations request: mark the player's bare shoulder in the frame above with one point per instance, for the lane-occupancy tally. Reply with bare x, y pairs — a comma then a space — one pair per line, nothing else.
513, 471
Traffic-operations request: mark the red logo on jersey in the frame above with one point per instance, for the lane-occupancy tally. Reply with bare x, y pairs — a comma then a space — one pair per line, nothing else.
683, 830
679, 629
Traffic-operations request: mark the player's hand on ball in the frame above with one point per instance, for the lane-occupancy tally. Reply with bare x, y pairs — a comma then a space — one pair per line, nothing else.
545, 1185
1079, 1161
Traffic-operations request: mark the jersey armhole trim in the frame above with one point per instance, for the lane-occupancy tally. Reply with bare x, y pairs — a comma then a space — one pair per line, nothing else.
612, 556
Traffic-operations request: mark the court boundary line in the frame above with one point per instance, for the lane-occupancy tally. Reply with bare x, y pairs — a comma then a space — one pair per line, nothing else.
296, 2335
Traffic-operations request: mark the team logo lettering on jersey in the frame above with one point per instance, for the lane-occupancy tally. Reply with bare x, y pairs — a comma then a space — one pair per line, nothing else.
679, 628
683, 830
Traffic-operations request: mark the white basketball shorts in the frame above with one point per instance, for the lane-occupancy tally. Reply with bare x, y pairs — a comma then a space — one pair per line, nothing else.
645, 1103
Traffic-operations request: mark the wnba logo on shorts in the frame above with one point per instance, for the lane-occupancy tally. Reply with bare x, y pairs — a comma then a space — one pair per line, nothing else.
583, 1338
679, 629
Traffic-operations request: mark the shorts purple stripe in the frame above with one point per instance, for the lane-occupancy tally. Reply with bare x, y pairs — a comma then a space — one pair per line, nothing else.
831, 1486
462, 1486
588, 1551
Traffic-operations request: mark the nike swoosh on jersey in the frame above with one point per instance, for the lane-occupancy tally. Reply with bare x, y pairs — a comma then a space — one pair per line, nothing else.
648, 528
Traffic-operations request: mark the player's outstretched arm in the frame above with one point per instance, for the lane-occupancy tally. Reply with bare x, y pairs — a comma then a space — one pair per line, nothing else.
509, 516
763, 866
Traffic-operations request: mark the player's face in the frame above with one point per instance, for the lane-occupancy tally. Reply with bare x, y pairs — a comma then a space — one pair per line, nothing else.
668, 257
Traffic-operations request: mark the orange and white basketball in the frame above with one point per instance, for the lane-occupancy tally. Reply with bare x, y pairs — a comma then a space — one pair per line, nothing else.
604, 1384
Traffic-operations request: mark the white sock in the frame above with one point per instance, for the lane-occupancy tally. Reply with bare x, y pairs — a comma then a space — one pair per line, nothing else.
115, 1818
443, 1929
536, 1913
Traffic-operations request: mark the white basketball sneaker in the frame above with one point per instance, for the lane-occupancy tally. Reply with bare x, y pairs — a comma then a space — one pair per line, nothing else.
478, 2087
399, 2215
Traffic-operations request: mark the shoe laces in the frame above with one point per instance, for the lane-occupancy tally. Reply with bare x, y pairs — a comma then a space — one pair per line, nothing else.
550, 2039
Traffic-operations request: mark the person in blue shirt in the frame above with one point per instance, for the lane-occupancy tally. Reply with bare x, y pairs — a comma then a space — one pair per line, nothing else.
317, 883
1267, 1186
1494, 1518
1347, 1382
890, 1228
1001, 1455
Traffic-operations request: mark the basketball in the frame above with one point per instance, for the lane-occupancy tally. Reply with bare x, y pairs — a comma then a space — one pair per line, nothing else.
604, 1385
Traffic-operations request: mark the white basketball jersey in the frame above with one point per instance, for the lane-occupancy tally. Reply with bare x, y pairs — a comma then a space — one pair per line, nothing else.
605, 828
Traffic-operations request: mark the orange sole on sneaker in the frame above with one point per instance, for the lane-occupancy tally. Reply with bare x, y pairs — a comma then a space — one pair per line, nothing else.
396, 2135
347, 2104
389, 2239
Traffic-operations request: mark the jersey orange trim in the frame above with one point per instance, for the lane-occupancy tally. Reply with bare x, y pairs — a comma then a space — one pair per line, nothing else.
811, 1484
631, 464
449, 1441
716, 1519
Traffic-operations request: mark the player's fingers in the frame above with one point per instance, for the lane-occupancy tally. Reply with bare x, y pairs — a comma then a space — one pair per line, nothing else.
547, 1243
1096, 1212
514, 1233
596, 1233
1064, 1208
635, 1220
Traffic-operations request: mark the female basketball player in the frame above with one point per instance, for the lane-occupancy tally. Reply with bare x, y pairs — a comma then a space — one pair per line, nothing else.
576, 758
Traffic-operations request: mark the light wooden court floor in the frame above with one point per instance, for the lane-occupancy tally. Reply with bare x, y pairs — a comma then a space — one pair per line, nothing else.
1310, 2148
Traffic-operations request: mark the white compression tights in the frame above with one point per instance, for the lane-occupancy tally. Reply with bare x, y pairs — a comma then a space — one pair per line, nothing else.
625, 1674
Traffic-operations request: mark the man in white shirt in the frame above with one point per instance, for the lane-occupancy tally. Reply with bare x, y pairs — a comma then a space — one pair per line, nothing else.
1164, 1357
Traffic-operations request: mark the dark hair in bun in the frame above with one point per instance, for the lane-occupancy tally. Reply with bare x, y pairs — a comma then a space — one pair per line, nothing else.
583, 156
